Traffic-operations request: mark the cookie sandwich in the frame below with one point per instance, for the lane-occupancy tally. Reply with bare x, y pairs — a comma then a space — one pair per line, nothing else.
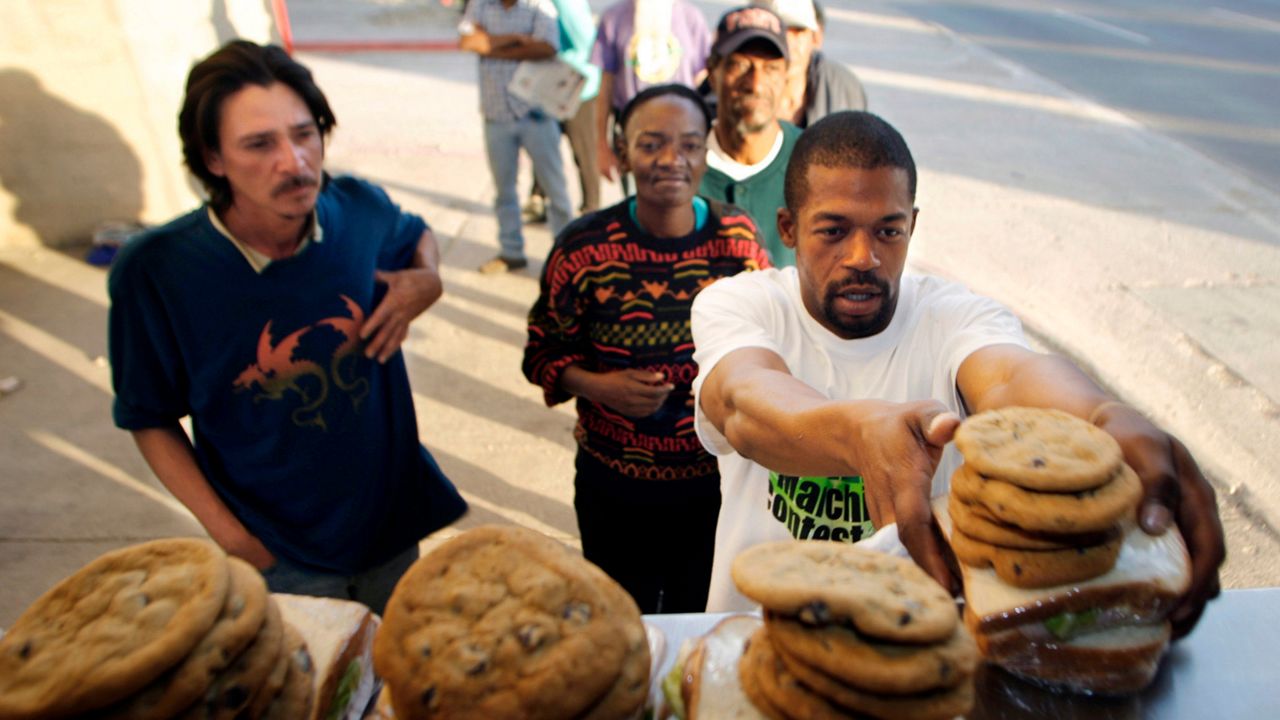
165, 629
849, 632
504, 622
1061, 586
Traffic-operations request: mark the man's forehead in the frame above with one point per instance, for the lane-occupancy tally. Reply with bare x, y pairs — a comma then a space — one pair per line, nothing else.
265, 105
853, 173
838, 183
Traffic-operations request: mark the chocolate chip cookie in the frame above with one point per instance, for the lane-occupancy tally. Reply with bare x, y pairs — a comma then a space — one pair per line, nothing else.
883, 596
977, 523
1093, 510
235, 687
177, 689
875, 666
502, 622
294, 698
627, 694
1038, 449
1038, 568
111, 628
814, 694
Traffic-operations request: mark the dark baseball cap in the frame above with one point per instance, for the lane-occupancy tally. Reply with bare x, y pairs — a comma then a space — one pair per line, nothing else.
740, 26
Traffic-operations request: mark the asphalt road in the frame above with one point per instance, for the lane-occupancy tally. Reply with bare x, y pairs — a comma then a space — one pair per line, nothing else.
1204, 72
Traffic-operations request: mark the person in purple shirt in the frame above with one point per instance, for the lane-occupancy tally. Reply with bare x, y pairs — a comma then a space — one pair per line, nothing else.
640, 43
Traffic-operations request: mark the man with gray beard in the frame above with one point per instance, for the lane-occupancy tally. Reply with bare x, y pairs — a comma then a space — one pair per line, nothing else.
748, 149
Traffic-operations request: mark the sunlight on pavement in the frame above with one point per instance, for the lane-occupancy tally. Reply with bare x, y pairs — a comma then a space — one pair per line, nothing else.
57, 351
1068, 106
107, 470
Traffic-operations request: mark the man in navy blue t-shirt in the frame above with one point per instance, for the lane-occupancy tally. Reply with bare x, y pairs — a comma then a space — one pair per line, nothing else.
273, 317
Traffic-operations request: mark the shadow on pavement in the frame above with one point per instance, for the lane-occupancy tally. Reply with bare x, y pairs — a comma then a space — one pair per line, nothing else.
46, 144
457, 389
478, 481
70, 318
494, 302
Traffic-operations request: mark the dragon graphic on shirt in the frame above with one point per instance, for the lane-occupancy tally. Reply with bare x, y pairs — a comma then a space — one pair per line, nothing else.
279, 372
349, 327
276, 372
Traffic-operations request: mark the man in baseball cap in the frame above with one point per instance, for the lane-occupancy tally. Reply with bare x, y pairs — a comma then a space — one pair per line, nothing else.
816, 86
748, 148
746, 24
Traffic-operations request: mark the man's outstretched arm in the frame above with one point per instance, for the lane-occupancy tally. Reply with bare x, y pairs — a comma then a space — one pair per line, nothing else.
778, 421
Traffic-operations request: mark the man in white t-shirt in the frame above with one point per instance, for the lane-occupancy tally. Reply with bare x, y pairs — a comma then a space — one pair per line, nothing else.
829, 390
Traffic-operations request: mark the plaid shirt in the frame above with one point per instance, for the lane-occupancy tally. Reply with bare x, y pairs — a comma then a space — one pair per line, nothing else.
536, 18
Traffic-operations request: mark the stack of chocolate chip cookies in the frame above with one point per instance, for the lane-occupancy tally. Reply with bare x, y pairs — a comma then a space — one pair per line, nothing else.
504, 622
166, 629
1040, 497
851, 633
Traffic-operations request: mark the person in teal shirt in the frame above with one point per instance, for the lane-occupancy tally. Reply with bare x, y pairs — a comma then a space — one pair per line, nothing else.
577, 36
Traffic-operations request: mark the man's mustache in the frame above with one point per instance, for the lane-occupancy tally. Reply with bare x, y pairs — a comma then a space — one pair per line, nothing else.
857, 279
293, 183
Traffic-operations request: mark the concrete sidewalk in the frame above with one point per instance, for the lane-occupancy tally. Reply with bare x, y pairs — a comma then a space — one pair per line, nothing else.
1111, 242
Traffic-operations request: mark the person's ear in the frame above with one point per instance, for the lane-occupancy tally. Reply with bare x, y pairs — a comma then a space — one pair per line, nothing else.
620, 152
213, 161
787, 227
915, 213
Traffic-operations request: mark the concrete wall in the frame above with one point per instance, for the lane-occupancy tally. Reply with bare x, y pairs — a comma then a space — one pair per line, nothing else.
89, 95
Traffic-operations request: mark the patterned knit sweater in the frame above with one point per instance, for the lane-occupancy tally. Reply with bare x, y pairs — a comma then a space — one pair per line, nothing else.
614, 297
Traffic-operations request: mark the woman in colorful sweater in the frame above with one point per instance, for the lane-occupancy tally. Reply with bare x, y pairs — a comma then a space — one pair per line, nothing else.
611, 328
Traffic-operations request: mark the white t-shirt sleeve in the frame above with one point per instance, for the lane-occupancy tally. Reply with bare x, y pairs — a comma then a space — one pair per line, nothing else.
732, 314
973, 322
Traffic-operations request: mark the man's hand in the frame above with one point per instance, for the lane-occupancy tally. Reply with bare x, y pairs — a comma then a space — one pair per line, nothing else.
901, 445
249, 548
477, 41
168, 451
1175, 491
409, 293
634, 393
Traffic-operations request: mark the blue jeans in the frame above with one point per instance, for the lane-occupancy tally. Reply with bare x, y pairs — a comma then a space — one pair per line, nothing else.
540, 137
372, 587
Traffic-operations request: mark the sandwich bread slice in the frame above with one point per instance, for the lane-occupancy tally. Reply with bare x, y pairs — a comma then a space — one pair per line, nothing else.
704, 684
339, 635
1104, 635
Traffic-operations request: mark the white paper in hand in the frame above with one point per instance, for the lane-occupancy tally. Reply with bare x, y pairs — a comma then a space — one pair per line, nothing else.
553, 86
